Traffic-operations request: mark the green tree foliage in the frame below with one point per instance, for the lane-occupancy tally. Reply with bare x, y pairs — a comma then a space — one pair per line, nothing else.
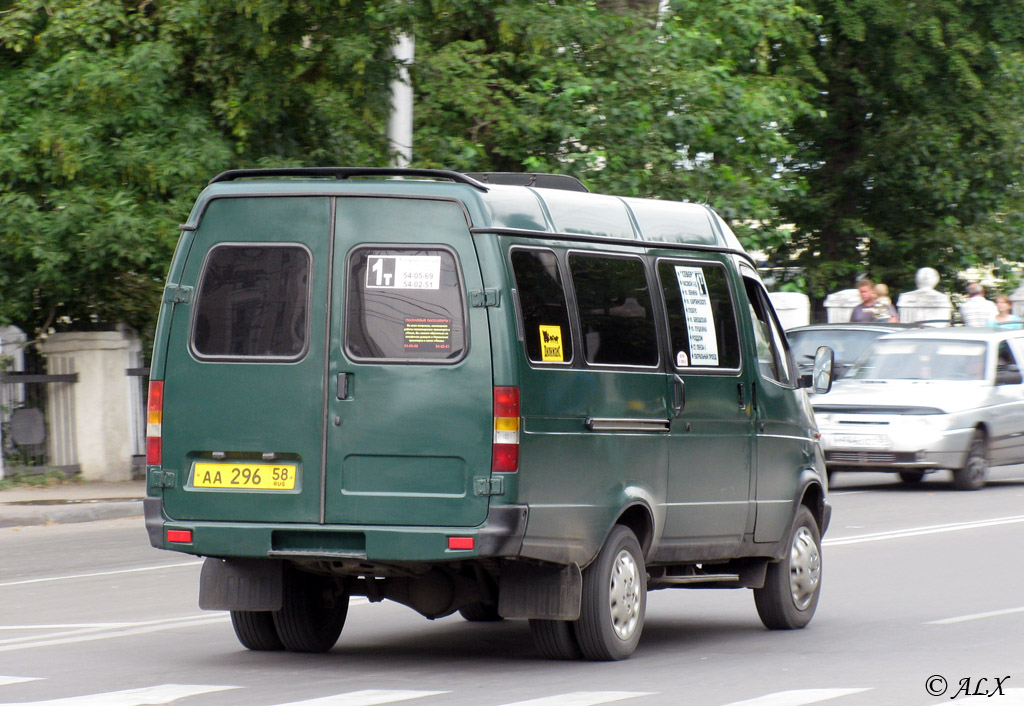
914, 155
883, 131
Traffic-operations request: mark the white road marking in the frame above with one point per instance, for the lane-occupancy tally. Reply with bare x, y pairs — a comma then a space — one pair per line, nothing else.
163, 694
86, 635
976, 616
921, 531
368, 697
116, 572
583, 698
16, 680
797, 697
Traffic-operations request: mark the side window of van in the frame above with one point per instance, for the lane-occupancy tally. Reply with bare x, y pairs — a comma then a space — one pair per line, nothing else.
772, 358
616, 317
253, 302
404, 305
701, 317
542, 304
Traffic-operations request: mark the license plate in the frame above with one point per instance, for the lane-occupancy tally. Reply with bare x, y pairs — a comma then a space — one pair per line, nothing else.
860, 441
246, 476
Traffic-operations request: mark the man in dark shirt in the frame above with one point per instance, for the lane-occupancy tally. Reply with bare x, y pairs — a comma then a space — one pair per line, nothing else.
870, 310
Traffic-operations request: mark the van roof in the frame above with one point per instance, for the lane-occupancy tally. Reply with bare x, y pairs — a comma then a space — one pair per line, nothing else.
494, 207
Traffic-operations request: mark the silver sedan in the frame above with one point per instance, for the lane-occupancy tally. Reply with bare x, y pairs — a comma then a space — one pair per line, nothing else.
925, 400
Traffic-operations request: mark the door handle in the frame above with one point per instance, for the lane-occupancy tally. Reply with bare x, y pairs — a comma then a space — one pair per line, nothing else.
741, 395
678, 395
342, 386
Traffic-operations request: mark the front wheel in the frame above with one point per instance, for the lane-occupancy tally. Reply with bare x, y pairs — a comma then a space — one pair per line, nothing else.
614, 599
972, 475
793, 584
911, 477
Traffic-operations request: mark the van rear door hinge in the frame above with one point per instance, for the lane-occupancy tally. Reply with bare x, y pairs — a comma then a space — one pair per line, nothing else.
177, 294
489, 486
484, 298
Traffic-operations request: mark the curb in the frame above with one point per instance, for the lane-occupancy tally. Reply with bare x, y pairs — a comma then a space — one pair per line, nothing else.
68, 512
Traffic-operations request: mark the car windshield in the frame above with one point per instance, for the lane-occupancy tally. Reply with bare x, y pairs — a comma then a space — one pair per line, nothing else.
922, 360
847, 345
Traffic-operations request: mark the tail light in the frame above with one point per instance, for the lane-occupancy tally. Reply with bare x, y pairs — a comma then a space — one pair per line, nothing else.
154, 423
505, 450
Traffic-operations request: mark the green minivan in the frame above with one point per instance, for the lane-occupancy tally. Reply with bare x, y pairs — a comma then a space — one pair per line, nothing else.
492, 394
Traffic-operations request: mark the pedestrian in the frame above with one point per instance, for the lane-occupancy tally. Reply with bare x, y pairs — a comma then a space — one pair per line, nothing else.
1005, 318
868, 310
977, 310
883, 304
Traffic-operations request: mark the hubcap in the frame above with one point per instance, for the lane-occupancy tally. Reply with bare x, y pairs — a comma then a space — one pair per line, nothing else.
804, 568
624, 595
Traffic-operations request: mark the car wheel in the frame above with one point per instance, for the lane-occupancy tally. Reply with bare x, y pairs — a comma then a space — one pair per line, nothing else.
911, 477
614, 599
555, 639
792, 585
313, 612
480, 613
255, 630
972, 475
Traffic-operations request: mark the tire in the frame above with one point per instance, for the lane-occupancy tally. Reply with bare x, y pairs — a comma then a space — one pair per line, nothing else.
255, 630
614, 599
555, 639
480, 613
911, 477
792, 585
972, 475
313, 612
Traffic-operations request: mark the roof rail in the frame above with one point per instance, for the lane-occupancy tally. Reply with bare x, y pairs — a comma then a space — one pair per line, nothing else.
345, 173
542, 181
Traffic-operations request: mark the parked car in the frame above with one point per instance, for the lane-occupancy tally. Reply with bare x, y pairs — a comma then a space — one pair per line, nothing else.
848, 341
929, 399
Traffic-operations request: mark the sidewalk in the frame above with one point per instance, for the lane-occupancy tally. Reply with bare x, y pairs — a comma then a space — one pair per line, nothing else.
71, 502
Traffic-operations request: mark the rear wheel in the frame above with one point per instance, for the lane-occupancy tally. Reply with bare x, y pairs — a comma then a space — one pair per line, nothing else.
255, 629
614, 599
313, 612
911, 477
555, 639
972, 475
480, 613
793, 584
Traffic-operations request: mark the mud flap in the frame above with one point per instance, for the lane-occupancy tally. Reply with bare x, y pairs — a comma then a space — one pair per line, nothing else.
540, 592
241, 584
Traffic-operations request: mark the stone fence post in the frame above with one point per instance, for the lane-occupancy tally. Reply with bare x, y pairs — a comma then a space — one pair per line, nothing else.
840, 305
793, 308
101, 400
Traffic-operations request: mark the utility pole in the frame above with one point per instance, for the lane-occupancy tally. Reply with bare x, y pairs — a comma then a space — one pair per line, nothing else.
400, 121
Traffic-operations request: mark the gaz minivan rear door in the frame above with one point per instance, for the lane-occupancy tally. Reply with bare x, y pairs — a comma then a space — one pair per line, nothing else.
410, 391
243, 385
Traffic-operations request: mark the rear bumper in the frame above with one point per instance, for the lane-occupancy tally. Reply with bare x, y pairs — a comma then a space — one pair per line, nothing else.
500, 536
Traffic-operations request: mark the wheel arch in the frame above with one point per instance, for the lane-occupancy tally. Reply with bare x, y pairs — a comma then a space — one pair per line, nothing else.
638, 518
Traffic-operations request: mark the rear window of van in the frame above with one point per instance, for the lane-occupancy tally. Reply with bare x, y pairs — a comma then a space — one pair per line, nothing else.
253, 302
404, 305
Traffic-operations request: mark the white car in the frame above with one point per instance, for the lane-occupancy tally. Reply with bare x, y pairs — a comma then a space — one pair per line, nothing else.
929, 399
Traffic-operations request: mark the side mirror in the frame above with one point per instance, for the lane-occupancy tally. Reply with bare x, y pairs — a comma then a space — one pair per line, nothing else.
820, 381
1008, 375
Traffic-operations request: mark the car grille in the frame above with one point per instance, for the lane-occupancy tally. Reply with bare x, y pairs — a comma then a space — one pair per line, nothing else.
869, 457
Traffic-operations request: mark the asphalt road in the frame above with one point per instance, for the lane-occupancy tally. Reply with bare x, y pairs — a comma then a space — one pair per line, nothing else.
921, 588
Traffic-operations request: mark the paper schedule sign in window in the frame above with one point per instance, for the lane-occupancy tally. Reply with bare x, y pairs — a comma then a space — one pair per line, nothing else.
700, 319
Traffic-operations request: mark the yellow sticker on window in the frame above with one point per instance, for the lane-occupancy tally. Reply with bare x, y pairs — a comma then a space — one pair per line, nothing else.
551, 344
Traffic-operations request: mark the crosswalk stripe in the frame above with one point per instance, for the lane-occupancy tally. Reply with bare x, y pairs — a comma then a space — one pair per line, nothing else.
583, 698
162, 694
367, 697
797, 697
4, 681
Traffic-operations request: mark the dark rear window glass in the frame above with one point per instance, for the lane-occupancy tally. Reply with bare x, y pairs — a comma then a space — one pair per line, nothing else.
405, 305
253, 302
701, 317
616, 318
542, 304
